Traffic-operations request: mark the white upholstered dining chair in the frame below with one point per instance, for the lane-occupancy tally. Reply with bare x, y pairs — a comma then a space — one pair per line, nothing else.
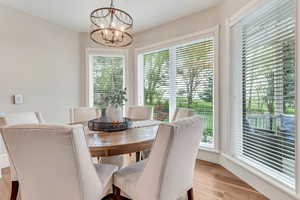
140, 112
21, 118
13, 119
83, 114
54, 162
181, 113
168, 173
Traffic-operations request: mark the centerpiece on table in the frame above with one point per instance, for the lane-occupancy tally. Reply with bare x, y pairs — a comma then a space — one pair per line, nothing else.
115, 102
111, 113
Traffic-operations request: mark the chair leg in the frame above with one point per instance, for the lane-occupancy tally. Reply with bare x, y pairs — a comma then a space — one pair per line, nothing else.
108, 197
14, 190
138, 156
117, 193
190, 194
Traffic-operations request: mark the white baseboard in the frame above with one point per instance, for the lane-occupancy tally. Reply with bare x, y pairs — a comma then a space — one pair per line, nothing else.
4, 162
208, 156
259, 181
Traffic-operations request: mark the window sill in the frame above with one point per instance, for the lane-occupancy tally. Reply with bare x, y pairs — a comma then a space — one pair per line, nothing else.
208, 148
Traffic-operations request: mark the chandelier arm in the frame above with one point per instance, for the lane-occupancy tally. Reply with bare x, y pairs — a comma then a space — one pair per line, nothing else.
111, 18
113, 37
129, 24
122, 37
96, 17
106, 8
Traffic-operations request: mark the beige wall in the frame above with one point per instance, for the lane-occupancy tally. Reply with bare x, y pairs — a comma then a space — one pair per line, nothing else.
41, 61
181, 27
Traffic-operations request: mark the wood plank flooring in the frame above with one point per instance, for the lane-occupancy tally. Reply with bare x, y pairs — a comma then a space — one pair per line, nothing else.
211, 182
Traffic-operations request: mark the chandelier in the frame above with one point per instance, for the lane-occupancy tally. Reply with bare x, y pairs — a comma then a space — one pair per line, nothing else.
111, 27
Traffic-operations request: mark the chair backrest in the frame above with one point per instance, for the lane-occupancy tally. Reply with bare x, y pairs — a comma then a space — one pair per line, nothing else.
21, 118
83, 114
52, 162
181, 113
140, 112
169, 170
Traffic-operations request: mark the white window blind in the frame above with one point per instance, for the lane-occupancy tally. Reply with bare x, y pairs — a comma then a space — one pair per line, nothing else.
181, 76
107, 72
267, 45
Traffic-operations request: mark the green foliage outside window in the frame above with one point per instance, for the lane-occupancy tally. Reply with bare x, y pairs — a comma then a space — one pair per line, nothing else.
108, 78
194, 82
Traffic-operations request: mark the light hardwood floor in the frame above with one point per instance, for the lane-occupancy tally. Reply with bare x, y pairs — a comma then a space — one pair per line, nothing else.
211, 182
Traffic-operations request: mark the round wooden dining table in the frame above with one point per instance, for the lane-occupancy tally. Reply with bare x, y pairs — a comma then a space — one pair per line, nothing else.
132, 140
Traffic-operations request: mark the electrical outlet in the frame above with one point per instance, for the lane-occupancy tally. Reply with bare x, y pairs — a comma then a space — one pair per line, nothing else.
18, 99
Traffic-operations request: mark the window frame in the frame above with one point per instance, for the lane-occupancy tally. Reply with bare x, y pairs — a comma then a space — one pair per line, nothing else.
171, 45
89, 86
228, 141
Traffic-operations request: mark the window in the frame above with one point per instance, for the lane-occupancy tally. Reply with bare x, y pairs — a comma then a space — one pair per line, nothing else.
194, 82
156, 83
263, 55
107, 75
181, 76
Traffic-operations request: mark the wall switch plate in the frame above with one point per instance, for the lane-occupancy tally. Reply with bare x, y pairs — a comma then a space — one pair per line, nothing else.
18, 99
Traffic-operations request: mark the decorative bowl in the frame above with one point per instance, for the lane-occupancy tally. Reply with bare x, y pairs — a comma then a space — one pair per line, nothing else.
99, 125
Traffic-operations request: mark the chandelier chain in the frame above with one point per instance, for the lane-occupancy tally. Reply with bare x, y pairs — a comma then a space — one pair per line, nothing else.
112, 5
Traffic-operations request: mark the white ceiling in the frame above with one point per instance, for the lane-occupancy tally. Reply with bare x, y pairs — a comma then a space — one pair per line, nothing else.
75, 13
